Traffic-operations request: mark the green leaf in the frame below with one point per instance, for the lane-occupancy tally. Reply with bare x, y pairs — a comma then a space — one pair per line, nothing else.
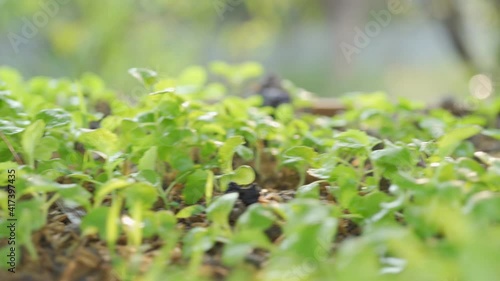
110, 186
54, 117
190, 211
242, 244
177, 136
32, 211
7, 165
148, 160
95, 222
141, 192
209, 187
30, 139
10, 107
46, 147
219, 210
73, 193
494, 133
164, 91
244, 152
309, 230
165, 221
113, 223
160, 223
256, 217
310, 191
327, 163
485, 206
227, 151
194, 188
368, 205
197, 240
101, 140
353, 139
348, 181
76, 196
300, 154
180, 160
464, 149
9, 128
451, 140
435, 126
285, 113
393, 157
146, 76
243, 175
234, 253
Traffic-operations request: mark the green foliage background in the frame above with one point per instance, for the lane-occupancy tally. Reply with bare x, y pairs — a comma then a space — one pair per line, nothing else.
110, 36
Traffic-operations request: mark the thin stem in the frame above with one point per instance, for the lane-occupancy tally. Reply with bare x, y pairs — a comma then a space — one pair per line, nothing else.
83, 105
51, 201
302, 178
174, 182
258, 156
11, 148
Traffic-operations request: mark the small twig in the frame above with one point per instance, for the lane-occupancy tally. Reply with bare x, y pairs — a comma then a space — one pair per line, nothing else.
11, 148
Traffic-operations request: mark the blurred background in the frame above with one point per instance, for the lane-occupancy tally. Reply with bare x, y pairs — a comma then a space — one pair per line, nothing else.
421, 49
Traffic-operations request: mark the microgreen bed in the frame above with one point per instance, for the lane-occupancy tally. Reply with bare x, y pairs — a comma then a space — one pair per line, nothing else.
110, 189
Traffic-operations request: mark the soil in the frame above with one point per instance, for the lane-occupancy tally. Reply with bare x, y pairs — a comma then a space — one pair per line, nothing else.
65, 255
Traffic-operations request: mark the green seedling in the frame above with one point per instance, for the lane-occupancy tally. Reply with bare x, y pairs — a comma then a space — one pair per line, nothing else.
300, 157
146, 77
242, 175
218, 212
